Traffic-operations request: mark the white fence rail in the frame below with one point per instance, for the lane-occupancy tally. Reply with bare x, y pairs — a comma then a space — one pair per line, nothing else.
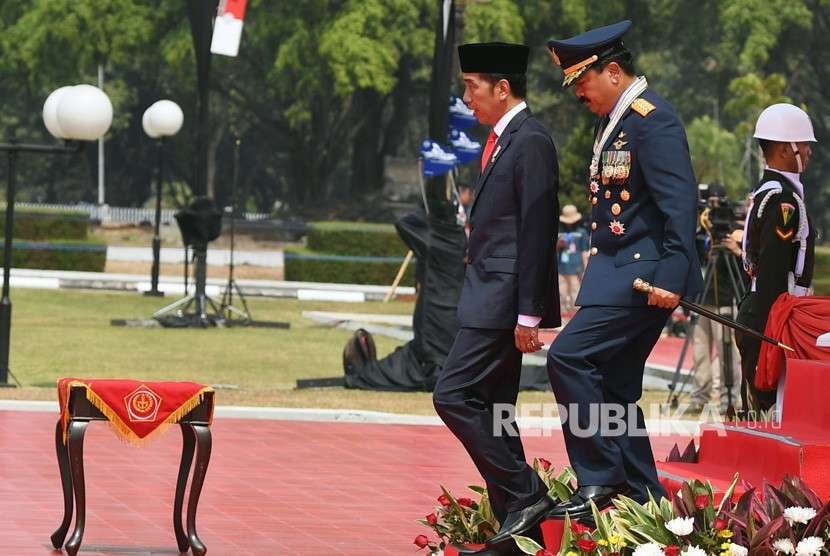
131, 215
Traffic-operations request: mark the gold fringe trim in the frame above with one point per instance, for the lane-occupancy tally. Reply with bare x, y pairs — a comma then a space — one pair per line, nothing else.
122, 430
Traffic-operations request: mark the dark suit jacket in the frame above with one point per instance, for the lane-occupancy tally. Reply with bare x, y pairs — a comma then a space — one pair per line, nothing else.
511, 252
657, 207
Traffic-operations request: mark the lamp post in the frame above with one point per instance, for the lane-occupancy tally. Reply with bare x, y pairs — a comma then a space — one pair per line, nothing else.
75, 113
162, 119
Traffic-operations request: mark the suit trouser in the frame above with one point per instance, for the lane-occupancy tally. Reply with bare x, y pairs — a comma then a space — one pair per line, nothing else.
596, 366
480, 377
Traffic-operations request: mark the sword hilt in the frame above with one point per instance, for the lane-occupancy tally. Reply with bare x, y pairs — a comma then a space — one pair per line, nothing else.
642, 286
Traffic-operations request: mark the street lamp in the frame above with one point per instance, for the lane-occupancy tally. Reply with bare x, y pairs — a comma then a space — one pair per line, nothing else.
74, 113
163, 119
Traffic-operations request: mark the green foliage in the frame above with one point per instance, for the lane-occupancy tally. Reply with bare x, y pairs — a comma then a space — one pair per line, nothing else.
89, 257
305, 266
716, 155
496, 20
355, 239
752, 28
39, 226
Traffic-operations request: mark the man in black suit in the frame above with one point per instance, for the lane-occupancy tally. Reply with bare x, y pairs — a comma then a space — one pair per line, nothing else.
510, 285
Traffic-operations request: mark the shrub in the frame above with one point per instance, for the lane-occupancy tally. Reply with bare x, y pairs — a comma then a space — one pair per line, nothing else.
39, 226
356, 239
59, 256
304, 266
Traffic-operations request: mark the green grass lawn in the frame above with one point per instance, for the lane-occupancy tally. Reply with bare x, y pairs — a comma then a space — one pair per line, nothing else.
57, 333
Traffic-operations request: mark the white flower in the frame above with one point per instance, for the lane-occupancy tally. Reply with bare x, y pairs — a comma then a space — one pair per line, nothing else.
809, 546
649, 549
737, 550
798, 514
681, 526
693, 551
784, 546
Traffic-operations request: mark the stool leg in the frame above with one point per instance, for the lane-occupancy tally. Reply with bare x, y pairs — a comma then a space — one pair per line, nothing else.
76, 465
203, 445
66, 484
188, 444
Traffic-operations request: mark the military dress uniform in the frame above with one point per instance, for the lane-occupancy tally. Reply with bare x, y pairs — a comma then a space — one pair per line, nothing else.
777, 228
643, 198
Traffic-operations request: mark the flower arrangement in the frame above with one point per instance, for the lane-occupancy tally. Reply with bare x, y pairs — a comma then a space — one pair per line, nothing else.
465, 521
787, 520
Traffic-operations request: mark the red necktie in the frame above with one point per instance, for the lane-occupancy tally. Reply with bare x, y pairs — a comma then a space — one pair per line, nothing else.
488, 149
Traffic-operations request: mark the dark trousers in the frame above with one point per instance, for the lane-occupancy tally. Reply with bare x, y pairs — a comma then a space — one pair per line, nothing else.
597, 360
482, 370
754, 317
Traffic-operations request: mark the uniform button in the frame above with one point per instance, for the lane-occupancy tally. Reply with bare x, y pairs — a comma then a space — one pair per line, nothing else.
594, 250
593, 225
636, 256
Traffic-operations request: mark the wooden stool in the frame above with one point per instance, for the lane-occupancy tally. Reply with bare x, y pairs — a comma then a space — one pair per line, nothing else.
196, 437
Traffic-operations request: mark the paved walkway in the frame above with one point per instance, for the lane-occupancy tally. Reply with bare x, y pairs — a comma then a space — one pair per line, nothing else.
273, 487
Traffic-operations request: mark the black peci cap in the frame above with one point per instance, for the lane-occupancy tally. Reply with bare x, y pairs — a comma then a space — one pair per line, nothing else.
493, 57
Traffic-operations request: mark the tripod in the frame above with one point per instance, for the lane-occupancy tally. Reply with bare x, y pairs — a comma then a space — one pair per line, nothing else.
234, 315
205, 313
718, 255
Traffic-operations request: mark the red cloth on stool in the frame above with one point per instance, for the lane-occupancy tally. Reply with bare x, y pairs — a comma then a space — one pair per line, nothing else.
135, 409
796, 321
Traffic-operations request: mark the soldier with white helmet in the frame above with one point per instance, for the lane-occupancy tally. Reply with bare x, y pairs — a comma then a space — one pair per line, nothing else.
778, 239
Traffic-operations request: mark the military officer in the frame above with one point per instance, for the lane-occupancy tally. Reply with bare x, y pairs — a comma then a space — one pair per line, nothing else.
643, 198
779, 242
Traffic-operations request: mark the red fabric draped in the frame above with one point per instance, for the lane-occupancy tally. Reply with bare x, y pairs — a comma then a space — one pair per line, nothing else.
796, 321
134, 408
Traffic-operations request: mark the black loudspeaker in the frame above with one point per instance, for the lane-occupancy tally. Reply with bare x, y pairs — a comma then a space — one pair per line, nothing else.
199, 222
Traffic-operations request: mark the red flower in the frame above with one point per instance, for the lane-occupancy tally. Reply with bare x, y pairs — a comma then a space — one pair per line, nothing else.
720, 524
701, 501
466, 502
672, 550
421, 541
544, 552
577, 528
444, 500
432, 519
544, 463
586, 545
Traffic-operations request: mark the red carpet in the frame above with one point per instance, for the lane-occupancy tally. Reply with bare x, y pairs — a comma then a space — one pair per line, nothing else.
273, 487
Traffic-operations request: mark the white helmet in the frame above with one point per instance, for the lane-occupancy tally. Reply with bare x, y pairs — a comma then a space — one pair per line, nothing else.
784, 123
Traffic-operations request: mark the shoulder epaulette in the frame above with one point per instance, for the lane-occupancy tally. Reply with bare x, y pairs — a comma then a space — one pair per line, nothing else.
642, 107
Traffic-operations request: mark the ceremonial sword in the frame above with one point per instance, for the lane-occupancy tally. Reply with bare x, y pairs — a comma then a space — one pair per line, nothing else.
642, 286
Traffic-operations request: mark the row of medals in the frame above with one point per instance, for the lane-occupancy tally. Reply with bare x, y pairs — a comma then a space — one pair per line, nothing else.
616, 168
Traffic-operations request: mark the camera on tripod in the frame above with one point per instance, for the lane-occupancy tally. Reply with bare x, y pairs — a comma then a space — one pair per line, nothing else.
717, 213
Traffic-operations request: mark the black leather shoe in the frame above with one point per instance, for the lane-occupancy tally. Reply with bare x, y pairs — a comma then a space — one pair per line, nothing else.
579, 504
521, 521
